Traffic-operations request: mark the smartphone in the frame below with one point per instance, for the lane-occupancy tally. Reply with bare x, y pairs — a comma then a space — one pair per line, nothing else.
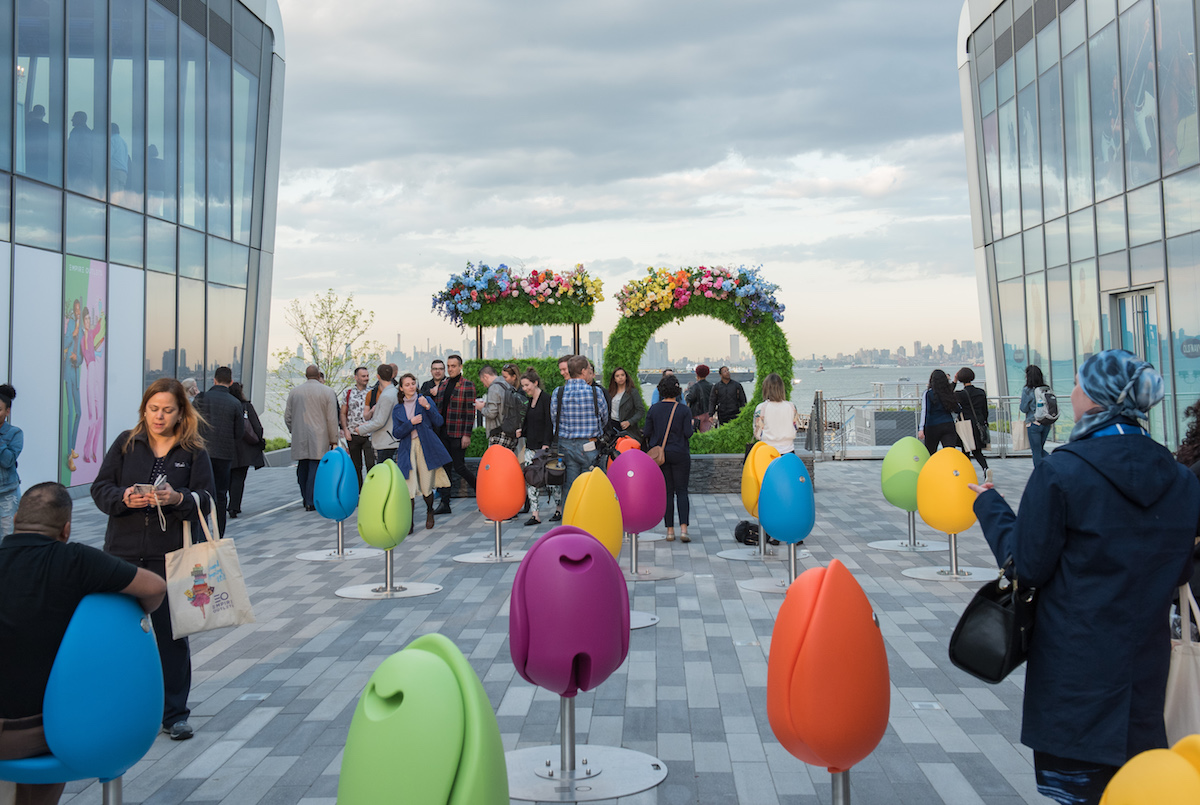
144, 489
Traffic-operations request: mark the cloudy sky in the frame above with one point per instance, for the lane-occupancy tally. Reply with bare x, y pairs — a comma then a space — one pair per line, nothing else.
820, 140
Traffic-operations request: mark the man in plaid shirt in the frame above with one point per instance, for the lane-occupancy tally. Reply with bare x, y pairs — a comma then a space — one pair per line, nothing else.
582, 421
455, 397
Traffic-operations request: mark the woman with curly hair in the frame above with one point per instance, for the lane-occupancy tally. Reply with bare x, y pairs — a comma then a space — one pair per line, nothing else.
938, 410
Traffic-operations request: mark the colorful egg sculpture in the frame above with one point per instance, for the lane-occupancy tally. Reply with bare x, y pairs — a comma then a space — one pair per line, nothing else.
568, 619
592, 505
759, 457
828, 690
943, 499
641, 489
901, 467
335, 489
424, 731
1158, 777
384, 507
499, 484
624, 445
787, 509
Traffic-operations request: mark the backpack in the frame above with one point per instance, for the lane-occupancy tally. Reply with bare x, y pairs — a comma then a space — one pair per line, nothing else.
746, 532
512, 411
1045, 406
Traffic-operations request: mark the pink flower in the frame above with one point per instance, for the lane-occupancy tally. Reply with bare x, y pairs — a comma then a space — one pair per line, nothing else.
708, 294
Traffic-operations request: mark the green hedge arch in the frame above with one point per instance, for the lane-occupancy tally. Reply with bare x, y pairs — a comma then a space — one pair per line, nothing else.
766, 339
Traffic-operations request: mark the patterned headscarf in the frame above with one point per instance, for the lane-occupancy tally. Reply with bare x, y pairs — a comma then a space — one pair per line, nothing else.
1122, 385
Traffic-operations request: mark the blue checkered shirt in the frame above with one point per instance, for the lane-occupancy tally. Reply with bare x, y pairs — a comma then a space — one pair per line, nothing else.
579, 404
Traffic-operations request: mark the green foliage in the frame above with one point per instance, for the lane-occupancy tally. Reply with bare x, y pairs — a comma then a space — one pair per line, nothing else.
547, 369
768, 342
278, 443
517, 310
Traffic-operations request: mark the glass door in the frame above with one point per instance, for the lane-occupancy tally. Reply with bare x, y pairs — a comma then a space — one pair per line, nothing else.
1136, 318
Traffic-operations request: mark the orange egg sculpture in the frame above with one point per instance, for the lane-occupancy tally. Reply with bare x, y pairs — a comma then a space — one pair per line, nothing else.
500, 484
943, 499
753, 470
828, 689
624, 444
592, 505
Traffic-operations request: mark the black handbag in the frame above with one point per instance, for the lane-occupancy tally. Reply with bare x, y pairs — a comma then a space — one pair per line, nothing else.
992, 636
545, 469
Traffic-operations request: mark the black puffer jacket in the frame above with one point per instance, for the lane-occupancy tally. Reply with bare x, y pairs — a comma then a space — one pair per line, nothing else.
135, 534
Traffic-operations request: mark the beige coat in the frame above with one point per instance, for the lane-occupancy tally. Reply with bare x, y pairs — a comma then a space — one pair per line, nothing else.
311, 416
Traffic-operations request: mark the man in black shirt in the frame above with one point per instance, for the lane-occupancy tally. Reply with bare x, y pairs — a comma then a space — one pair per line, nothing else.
438, 370
42, 580
222, 429
728, 398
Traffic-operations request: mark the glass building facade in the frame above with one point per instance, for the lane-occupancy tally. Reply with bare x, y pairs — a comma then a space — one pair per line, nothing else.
1084, 168
139, 164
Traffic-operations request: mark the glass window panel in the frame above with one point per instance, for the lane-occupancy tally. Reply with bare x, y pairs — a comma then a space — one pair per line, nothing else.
983, 34
5, 206
1074, 27
160, 326
987, 95
1035, 314
162, 80
219, 260
37, 215
985, 64
1177, 84
239, 264
191, 331
1077, 129
1054, 189
1047, 47
1003, 16
1108, 163
1181, 202
191, 253
1062, 331
1100, 13
40, 77
1034, 257
991, 160
245, 134
1085, 307
1110, 225
127, 105
1183, 271
87, 96
6, 89
1010, 177
1008, 257
125, 237
1146, 264
226, 324
220, 153
1026, 65
1005, 86
1083, 235
1140, 111
193, 69
160, 246
1145, 215
1011, 296
1057, 253
85, 227
1031, 168
1114, 271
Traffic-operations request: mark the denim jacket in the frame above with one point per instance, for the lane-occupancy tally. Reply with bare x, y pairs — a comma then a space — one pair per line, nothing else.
12, 441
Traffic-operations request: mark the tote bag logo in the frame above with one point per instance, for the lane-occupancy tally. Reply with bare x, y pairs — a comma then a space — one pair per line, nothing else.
200, 593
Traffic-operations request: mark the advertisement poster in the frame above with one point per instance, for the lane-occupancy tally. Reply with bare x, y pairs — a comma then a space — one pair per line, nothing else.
85, 312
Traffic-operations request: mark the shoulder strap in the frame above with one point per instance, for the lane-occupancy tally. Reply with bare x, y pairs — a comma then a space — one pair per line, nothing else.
670, 419
558, 416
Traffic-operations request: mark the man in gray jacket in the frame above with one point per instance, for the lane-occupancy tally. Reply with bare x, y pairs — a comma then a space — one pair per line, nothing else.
311, 417
379, 426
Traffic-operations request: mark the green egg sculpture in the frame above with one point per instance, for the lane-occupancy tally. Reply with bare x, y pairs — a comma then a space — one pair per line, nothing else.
384, 508
901, 467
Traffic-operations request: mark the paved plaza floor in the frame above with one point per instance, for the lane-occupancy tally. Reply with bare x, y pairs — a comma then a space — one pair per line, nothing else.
272, 702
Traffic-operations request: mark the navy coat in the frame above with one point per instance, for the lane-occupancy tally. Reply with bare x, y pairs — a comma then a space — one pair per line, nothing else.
1105, 531
427, 430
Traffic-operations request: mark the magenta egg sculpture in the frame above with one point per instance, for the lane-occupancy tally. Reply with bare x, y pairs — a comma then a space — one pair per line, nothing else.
641, 490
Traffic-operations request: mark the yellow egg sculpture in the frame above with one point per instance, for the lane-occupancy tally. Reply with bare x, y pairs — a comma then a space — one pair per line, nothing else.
593, 506
761, 455
943, 499
1158, 777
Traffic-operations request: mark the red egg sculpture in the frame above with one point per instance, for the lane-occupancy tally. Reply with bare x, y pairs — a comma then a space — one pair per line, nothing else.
500, 484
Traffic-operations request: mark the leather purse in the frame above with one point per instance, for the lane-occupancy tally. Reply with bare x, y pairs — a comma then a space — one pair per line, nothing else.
992, 636
657, 453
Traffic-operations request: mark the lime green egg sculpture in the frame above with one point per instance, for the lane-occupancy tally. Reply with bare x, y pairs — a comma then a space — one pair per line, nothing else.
901, 467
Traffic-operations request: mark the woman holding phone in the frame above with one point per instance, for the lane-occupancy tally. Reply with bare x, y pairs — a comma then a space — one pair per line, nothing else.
144, 485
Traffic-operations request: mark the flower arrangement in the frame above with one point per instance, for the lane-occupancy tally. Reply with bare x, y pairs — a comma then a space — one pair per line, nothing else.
488, 297
665, 289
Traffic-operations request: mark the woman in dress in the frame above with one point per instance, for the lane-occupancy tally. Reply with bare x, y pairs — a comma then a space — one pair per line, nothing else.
669, 424
420, 459
537, 430
937, 413
164, 448
12, 442
1034, 380
973, 402
91, 344
776, 419
247, 455
628, 408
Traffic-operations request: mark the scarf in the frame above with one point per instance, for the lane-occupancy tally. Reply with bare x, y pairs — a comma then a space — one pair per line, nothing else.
1123, 386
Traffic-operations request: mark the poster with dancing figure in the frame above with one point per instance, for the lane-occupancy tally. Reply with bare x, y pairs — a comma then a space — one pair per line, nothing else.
85, 325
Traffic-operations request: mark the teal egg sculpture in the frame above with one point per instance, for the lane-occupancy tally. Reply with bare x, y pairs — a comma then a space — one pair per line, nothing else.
786, 506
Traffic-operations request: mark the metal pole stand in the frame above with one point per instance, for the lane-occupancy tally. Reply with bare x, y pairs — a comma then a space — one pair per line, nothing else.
952, 573
760, 553
341, 553
912, 545
603, 772
636, 573
112, 792
644, 538
389, 589
493, 557
771, 585
841, 787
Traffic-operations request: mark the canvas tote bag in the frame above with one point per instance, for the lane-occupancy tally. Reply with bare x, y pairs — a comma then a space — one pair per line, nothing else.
1182, 712
1020, 434
205, 588
965, 429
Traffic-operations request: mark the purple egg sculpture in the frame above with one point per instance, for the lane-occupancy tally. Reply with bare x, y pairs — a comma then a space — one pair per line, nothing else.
640, 488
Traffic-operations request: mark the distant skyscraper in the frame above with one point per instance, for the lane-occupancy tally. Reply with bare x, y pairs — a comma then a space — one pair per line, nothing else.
538, 341
916, 349
735, 348
596, 347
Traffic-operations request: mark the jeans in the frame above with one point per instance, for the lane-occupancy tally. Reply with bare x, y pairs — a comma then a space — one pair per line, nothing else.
222, 477
1037, 442
677, 469
306, 476
383, 455
361, 453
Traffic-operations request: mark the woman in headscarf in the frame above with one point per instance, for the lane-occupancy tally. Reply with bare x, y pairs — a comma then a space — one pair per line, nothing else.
1105, 533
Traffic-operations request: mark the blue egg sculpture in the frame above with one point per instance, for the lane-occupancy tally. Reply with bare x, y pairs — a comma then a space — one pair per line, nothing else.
786, 506
335, 490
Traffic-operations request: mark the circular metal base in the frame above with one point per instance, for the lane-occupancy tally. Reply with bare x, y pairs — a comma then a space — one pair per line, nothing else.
624, 772
903, 546
332, 556
944, 574
774, 553
376, 592
490, 558
640, 620
766, 585
643, 538
652, 574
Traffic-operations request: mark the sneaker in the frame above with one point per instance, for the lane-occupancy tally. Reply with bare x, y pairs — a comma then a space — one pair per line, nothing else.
179, 731
987, 476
